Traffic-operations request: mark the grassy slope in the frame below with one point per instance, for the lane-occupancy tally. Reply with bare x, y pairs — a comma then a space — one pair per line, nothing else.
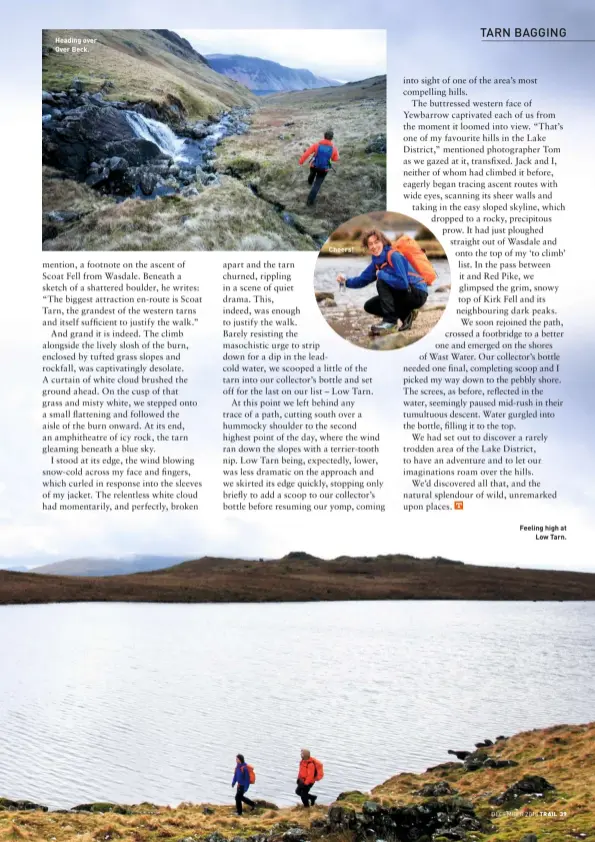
356, 113
569, 752
142, 66
227, 217
296, 578
569, 766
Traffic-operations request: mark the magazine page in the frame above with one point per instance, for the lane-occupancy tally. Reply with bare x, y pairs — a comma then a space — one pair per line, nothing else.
296, 537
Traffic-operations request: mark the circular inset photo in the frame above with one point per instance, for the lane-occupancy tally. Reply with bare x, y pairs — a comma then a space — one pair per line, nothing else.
382, 280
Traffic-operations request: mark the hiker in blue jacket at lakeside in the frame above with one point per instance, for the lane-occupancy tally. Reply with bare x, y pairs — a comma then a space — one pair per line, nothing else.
401, 291
241, 780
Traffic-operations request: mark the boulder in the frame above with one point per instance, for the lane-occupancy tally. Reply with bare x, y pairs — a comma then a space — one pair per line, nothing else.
377, 144
341, 817
198, 131
296, 834
77, 85
84, 136
373, 808
117, 164
352, 793
530, 786
434, 790
147, 182
63, 216
215, 837
495, 763
98, 178
137, 151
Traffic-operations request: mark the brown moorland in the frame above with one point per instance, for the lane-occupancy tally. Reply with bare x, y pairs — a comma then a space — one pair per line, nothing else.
300, 577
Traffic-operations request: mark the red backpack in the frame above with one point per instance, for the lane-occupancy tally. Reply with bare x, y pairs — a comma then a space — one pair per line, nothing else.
251, 773
318, 769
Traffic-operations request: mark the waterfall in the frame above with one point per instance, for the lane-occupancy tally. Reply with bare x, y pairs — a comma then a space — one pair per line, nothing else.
148, 129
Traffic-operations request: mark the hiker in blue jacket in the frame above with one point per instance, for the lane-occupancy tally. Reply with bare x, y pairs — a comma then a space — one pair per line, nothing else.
241, 780
401, 290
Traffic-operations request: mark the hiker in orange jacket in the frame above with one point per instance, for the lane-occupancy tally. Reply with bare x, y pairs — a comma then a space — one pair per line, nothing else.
306, 779
322, 153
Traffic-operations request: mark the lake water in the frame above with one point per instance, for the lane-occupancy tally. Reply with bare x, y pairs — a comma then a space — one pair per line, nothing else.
132, 702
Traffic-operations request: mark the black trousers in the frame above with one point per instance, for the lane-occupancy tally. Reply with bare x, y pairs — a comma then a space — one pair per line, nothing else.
303, 790
315, 178
393, 304
240, 797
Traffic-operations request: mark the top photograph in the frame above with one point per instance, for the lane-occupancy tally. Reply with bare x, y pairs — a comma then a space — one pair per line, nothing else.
210, 140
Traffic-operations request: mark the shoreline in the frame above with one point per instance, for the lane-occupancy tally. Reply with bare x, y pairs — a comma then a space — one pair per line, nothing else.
539, 780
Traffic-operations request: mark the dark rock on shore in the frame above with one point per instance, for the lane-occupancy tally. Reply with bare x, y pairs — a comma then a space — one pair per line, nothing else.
102, 807
451, 818
460, 755
9, 804
480, 759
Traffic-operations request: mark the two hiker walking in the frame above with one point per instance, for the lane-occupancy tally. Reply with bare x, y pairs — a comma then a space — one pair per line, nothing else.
402, 273
321, 154
310, 771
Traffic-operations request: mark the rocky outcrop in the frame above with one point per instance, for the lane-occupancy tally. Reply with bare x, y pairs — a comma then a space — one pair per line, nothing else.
436, 790
132, 148
449, 818
9, 804
528, 788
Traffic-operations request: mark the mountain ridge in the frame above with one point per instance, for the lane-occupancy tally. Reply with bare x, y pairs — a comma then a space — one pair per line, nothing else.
301, 577
266, 76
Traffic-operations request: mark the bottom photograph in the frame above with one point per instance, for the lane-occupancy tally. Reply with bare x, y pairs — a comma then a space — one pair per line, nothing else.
348, 719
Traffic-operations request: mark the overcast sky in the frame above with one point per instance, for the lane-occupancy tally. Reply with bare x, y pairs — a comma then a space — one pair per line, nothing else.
343, 54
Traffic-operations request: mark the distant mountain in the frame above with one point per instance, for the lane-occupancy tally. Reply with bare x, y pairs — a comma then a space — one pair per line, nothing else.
180, 46
301, 577
15, 568
107, 566
266, 77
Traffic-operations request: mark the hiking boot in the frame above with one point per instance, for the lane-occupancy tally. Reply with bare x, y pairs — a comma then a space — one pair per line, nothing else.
408, 320
382, 328
313, 799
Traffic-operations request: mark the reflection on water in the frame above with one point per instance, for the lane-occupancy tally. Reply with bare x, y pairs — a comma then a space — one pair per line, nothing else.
152, 702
